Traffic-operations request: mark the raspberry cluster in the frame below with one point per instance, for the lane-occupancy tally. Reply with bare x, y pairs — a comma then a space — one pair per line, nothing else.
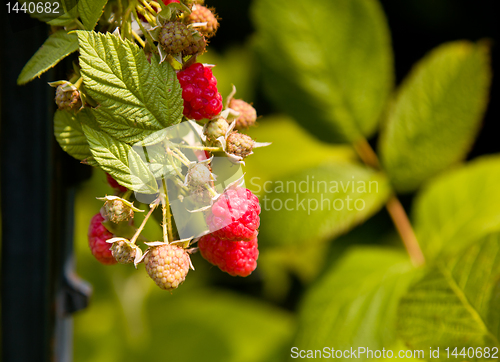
232, 218
199, 92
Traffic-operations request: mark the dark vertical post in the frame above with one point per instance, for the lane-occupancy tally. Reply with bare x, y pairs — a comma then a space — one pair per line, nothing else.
38, 287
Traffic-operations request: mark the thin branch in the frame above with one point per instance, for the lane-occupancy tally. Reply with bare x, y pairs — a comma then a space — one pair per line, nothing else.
394, 207
405, 230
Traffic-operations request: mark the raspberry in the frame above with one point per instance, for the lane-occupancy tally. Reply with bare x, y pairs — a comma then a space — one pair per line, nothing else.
98, 235
167, 265
199, 91
117, 211
196, 46
122, 252
215, 129
239, 144
175, 37
166, 2
199, 175
112, 182
237, 258
68, 100
248, 114
235, 215
201, 14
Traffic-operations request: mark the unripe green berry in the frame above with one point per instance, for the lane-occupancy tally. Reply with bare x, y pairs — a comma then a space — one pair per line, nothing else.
117, 211
215, 129
68, 100
122, 252
239, 144
175, 37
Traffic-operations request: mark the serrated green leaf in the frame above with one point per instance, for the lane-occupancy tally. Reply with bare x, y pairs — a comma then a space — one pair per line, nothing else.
456, 304
90, 11
333, 198
56, 47
458, 208
355, 304
120, 161
437, 113
69, 134
136, 99
327, 63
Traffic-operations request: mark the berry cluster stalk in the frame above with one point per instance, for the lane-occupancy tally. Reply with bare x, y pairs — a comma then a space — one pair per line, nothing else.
394, 207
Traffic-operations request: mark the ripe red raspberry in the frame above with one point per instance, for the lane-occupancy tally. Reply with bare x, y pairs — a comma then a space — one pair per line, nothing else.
235, 215
199, 91
166, 2
237, 258
112, 182
98, 235
248, 114
167, 265
201, 14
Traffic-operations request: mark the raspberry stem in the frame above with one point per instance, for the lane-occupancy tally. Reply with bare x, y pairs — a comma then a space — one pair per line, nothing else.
78, 82
150, 9
171, 153
141, 227
167, 217
127, 194
202, 148
394, 208
149, 39
138, 38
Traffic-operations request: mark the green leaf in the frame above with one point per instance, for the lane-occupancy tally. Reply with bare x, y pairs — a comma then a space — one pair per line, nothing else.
458, 208
70, 7
69, 133
136, 99
62, 20
456, 305
90, 12
326, 63
56, 47
120, 161
437, 113
320, 203
355, 304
